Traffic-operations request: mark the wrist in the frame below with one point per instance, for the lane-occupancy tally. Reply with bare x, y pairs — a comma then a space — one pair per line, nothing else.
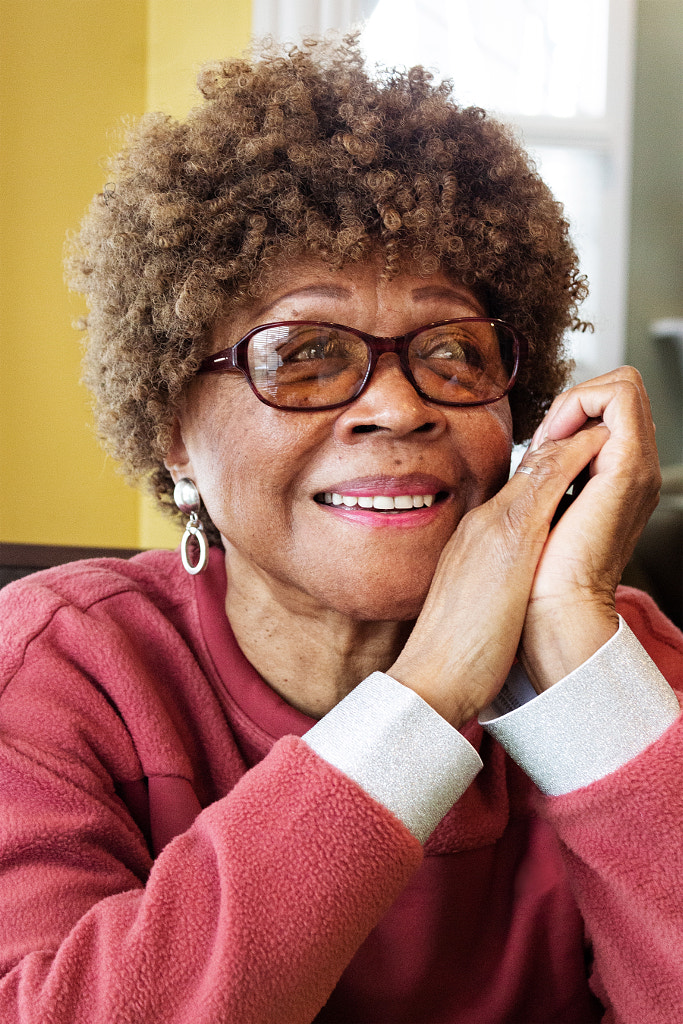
557, 639
424, 681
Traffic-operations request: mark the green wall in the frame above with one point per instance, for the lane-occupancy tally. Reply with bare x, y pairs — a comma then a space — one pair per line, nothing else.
656, 251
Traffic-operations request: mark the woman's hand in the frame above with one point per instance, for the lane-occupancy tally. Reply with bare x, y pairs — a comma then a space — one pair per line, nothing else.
571, 607
467, 634
503, 577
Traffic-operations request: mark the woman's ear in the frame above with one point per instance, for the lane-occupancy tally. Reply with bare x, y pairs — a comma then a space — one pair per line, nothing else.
177, 460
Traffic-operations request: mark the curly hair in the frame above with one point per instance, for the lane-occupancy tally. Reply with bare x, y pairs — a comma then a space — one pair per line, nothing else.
304, 153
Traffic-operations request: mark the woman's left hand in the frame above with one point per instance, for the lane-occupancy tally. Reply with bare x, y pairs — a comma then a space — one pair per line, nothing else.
571, 609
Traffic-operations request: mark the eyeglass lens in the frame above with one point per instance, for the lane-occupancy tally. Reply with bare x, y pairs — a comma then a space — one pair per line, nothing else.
301, 366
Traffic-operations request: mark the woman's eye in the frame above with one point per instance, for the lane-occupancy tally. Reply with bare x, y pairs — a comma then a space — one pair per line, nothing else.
447, 350
317, 349
453, 349
299, 349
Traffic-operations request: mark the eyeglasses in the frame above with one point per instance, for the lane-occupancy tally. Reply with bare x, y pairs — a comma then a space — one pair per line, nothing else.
307, 366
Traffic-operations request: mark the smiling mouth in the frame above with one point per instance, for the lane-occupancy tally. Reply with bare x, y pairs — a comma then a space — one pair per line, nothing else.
395, 504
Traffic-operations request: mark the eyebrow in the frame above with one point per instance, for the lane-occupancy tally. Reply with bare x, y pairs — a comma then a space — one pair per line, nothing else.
323, 291
423, 293
428, 292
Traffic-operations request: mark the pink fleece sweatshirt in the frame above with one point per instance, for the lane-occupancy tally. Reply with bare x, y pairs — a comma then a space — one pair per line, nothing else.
172, 851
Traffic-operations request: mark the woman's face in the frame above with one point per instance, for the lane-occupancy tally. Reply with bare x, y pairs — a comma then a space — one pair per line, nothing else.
266, 475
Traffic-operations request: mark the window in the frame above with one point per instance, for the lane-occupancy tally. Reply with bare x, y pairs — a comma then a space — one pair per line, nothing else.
560, 72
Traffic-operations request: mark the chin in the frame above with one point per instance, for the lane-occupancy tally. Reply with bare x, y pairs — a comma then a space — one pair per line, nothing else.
381, 604
368, 589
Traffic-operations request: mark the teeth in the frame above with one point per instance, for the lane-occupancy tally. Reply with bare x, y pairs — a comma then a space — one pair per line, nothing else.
380, 502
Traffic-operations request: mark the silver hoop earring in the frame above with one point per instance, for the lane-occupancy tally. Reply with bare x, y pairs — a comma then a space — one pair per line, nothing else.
186, 497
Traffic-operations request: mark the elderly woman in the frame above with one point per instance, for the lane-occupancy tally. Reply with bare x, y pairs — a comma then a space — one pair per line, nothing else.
246, 781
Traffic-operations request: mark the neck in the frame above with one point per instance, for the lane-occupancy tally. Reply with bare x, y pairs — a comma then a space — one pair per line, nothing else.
311, 655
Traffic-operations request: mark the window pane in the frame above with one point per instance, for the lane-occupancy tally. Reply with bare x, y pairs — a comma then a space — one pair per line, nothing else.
528, 57
577, 178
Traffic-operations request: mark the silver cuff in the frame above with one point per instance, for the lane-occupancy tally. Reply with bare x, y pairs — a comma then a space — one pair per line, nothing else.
394, 745
590, 723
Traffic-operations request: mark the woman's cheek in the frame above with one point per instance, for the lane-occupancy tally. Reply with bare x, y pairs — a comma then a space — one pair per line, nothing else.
487, 449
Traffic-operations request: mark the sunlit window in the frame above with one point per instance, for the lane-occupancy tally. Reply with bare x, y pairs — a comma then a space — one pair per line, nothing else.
560, 71
529, 57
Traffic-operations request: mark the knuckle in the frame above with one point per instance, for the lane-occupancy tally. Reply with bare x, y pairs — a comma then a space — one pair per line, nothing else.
630, 383
633, 389
545, 461
630, 374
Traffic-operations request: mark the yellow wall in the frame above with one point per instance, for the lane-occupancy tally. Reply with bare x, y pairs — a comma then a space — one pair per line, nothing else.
69, 71
181, 35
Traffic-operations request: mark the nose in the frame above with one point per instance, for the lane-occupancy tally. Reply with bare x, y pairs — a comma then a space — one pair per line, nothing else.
391, 405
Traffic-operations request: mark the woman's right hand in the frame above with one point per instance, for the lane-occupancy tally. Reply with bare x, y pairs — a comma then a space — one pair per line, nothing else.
466, 636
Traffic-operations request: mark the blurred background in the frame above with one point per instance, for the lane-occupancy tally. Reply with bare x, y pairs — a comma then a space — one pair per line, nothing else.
594, 86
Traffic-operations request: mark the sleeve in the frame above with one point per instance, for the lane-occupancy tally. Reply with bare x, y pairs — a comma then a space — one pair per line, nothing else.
606, 749
393, 744
591, 722
249, 915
